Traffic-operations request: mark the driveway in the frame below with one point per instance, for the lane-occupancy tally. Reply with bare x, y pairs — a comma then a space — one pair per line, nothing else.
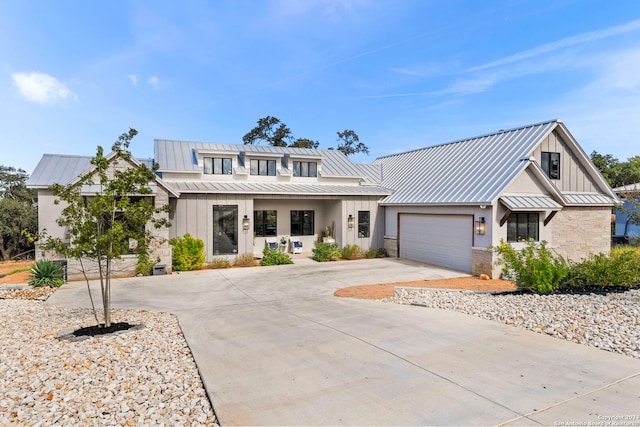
274, 347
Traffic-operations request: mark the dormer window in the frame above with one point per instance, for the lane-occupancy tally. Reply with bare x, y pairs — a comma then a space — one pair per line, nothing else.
217, 165
263, 167
550, 163
308, 169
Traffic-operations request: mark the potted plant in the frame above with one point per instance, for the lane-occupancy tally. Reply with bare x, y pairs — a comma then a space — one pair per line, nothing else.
283, 243
326, 235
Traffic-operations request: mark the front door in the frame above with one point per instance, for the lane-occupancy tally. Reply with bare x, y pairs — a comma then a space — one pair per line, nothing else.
225, 230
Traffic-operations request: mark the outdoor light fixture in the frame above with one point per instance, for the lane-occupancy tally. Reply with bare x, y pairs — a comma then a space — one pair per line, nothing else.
480, 226
245, 223
350, 222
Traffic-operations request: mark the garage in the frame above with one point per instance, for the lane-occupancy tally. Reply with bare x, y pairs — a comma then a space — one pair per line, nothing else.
444, 240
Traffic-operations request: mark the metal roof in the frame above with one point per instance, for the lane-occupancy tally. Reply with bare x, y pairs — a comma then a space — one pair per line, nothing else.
630, 188
275, 188
181, 156
590, 199
528, 203
469, 171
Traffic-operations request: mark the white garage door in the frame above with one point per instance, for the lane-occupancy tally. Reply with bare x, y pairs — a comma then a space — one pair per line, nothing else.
444, 240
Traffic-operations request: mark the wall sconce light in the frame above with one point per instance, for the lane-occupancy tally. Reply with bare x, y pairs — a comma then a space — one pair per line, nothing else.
480, 226
350, 222
245, 223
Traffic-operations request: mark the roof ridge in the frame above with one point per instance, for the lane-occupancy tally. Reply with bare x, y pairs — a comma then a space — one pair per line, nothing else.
471, 138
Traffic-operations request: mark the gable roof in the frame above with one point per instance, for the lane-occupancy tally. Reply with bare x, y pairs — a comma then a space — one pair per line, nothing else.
475, 170
181, 156
66, 169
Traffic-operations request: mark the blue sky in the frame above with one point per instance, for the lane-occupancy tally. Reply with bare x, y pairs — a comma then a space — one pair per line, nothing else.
403, 74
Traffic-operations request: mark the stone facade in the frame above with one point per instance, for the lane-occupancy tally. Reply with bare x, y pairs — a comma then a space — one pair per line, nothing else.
483, 262
391, 246
581, 231
160, 247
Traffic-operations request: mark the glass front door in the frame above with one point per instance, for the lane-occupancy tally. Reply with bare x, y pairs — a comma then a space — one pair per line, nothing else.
225, 230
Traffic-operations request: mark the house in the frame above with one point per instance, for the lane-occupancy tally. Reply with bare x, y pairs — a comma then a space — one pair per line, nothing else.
625, 228
453, 202
446, 204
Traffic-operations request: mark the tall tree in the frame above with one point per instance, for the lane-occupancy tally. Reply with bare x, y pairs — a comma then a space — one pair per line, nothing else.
275, 133
615, 172
270, 130
350, 143
18, 215
99, 227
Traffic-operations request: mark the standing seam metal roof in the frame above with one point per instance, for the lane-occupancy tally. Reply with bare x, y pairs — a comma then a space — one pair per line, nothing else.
474, 170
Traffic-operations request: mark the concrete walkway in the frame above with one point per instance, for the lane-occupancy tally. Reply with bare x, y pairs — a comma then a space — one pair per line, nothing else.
274, 347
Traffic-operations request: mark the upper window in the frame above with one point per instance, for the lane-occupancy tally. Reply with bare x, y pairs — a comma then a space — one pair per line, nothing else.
263, 167
363, 223
305, 169
522, 226
550, 163
302, 223
217, 165
265, 223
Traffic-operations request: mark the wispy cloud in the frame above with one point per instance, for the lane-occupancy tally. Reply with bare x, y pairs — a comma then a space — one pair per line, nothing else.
333, 9
154, 82
42, 88
134, 79
562, 44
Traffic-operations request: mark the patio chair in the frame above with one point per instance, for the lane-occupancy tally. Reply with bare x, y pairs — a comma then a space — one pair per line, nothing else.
271, 243
296, 246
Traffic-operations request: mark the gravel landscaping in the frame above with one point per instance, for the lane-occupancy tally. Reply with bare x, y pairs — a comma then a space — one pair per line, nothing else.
610, 322
143, 376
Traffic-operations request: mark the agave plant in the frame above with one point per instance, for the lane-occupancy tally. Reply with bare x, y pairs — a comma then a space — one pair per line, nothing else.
46, 273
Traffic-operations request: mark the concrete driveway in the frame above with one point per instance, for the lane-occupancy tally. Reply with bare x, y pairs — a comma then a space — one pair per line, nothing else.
274, 347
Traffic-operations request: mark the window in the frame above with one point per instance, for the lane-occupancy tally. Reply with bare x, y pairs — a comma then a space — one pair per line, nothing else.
263, 167
265, 223
305, 169
302, 223
550, 163
363, 223
522, 226
217, 165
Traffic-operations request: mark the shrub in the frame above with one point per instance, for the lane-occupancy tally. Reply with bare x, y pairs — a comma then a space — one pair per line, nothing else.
326, 252
619, 269
274, 257
188, 253
352, 252
220, 262
144, 266
46, 273
534, 268
245, 260
376, 253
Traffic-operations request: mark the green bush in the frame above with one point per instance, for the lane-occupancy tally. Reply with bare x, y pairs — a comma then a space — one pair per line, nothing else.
274, 257
188, 253
534, 268
144, 267
352, 252
376, 253
46, 273
220, 262
326, 252
619, 269
245, 260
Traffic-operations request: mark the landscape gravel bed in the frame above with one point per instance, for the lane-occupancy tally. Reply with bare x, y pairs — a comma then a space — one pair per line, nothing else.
607, 321
143, 376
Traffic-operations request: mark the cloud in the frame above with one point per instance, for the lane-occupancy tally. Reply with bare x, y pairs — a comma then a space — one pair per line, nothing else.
332, 9
42, 88
154, 82
134, 79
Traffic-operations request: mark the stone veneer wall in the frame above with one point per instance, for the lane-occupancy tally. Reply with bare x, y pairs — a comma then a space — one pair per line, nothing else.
391, 246
161, 249
581, 231
483, 262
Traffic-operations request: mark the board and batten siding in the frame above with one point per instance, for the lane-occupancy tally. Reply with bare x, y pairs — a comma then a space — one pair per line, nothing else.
573, 175
193, 214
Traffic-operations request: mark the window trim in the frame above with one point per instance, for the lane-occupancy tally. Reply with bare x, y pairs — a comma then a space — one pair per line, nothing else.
364, 224
225, 161
518, 218
311, 172
546, 162
264, 223
269, 167
301, 213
